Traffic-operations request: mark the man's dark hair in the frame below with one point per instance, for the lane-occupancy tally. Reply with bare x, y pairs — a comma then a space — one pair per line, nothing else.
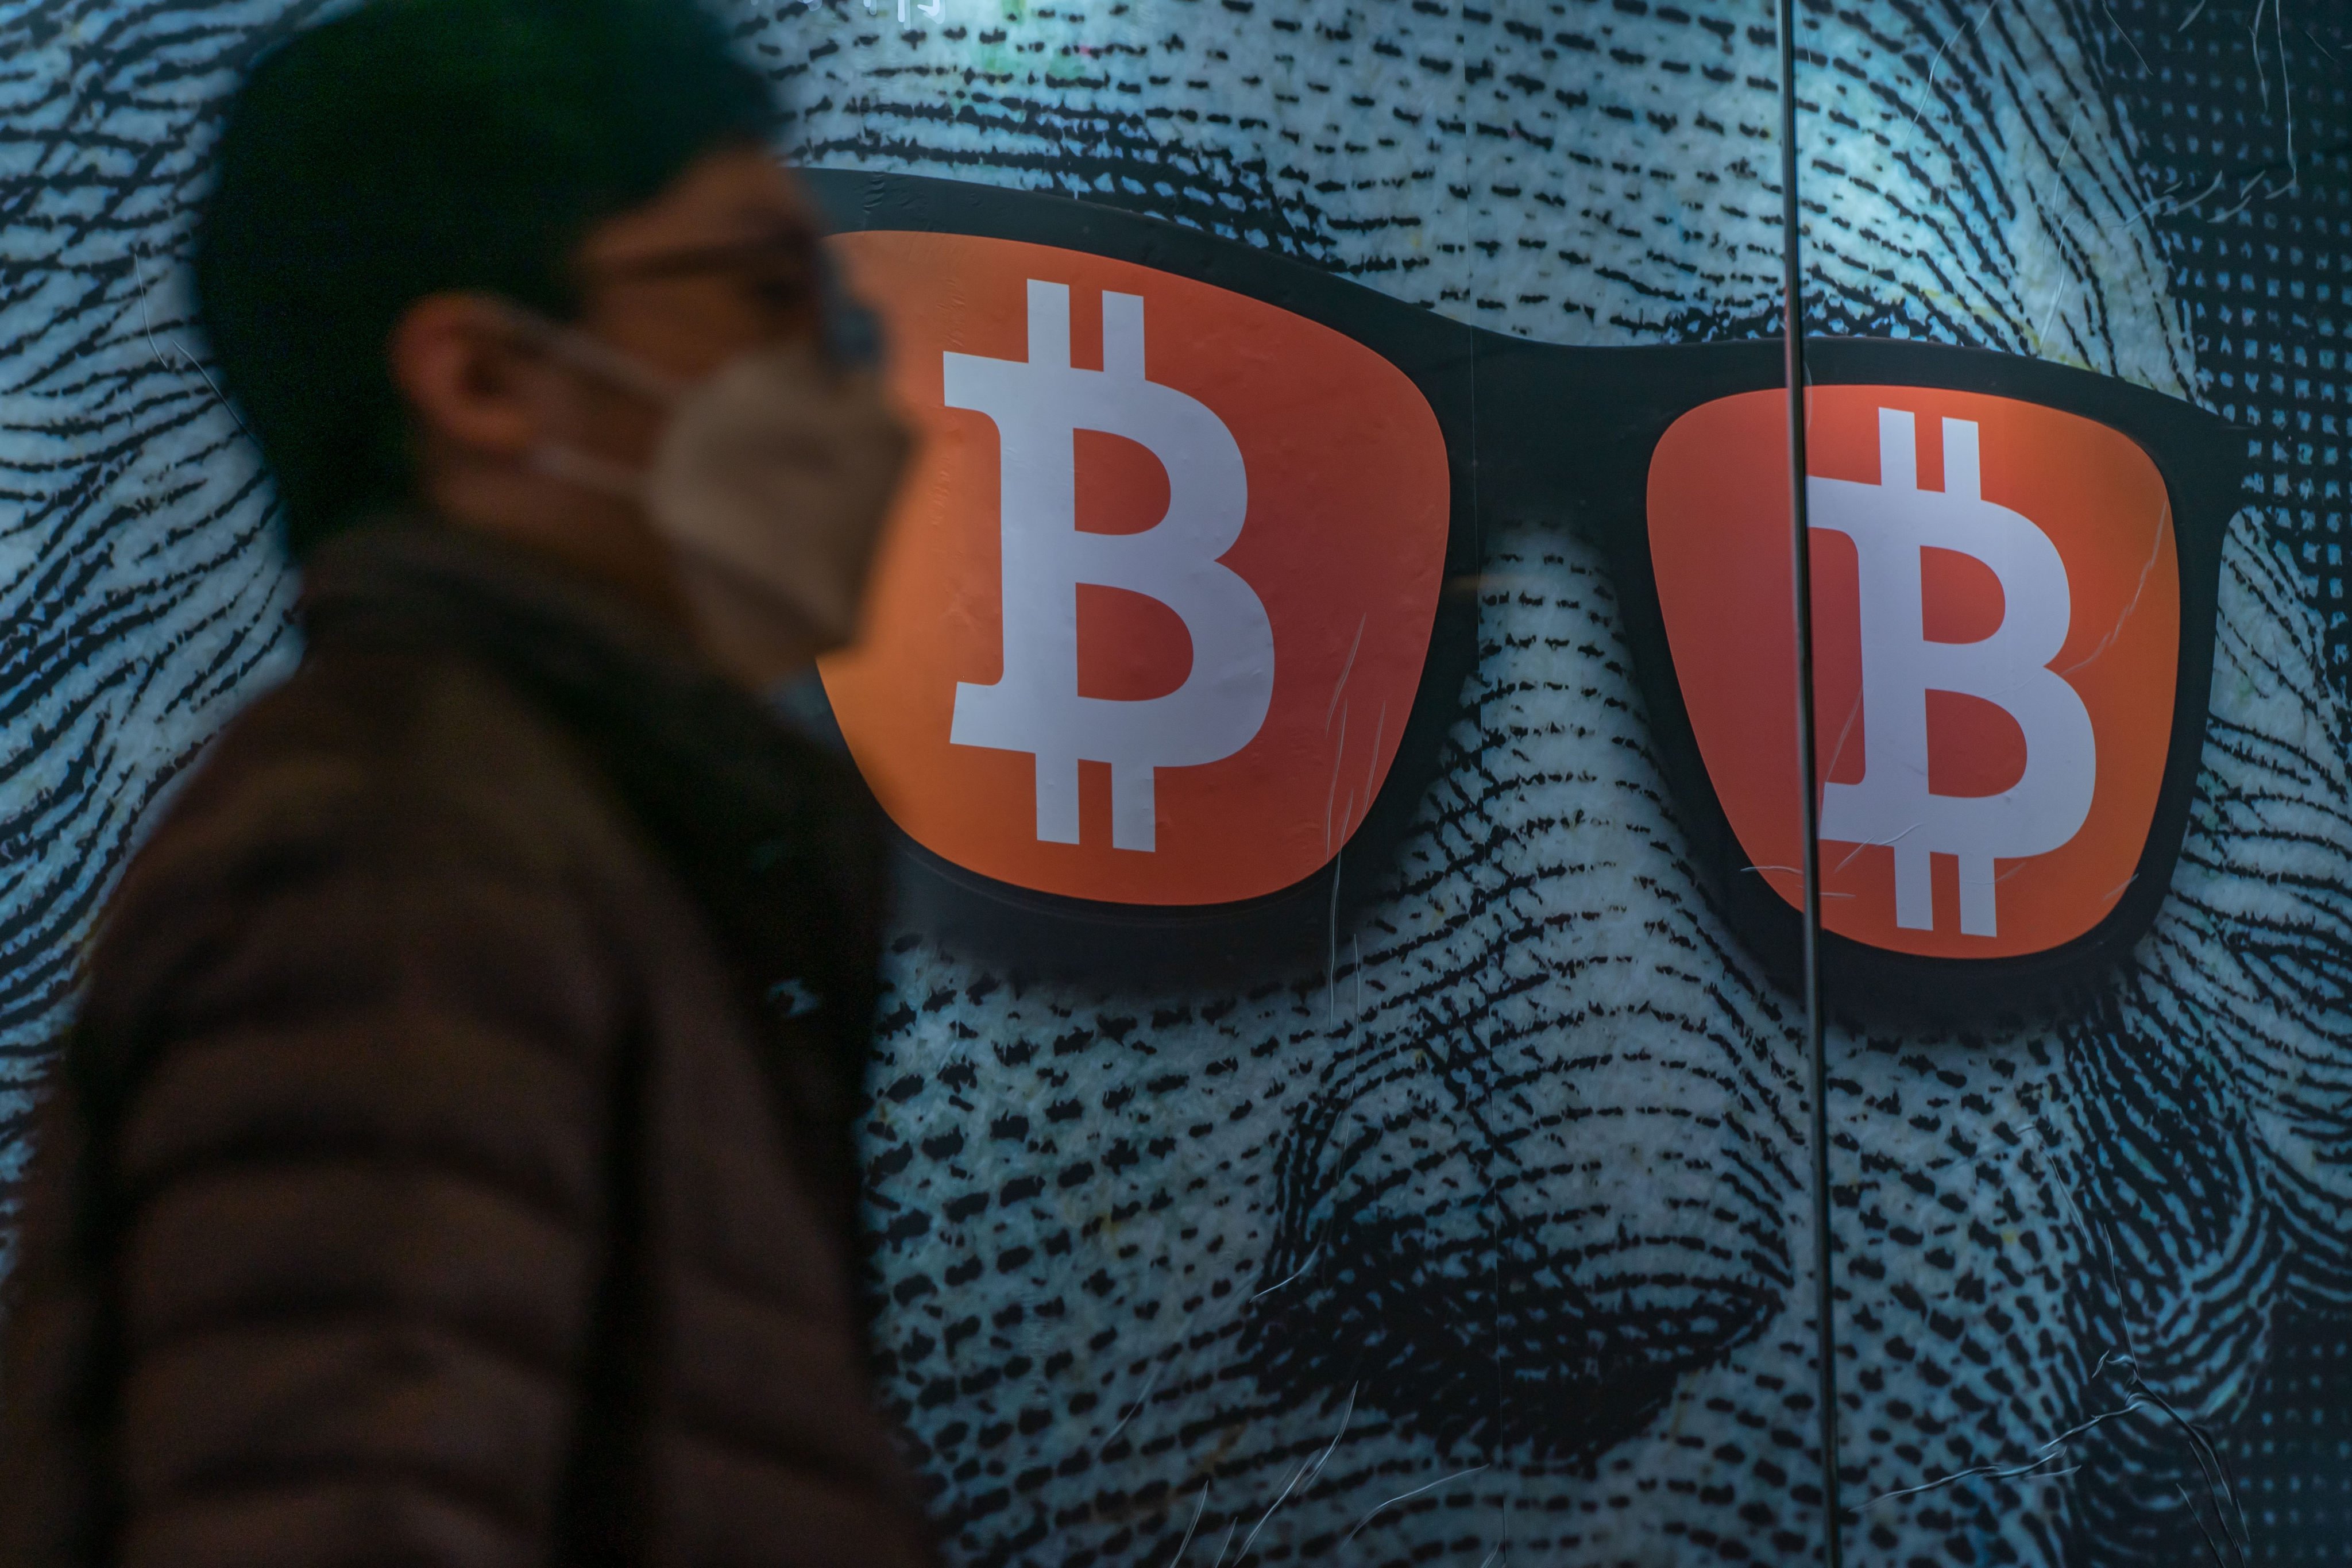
415, 146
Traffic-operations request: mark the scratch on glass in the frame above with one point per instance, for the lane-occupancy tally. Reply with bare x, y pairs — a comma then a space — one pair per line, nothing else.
147, 317
1186, 1545
1402, 1496
1293, 1275
1874, 843
1149, 1389
1921, 108
1305, 1472
2155, 553
1331, 796
2126, 38
1344, 670
1793, 871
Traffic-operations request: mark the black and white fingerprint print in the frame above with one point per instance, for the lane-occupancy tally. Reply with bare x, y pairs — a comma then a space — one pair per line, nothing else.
1485, 1239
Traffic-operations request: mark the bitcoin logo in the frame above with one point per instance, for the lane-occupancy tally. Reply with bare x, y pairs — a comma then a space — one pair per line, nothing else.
1038, 406
1890, 523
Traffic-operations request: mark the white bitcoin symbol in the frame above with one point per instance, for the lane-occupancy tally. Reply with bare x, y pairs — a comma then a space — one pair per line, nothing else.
1890, 523
1038, 406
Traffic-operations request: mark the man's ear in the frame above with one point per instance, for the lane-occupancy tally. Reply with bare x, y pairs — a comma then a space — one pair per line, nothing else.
466, 375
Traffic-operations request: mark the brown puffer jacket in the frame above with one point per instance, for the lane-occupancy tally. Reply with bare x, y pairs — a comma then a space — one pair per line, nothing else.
451, 1167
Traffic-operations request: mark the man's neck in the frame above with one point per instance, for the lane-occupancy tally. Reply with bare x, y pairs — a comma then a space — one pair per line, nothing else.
598, 538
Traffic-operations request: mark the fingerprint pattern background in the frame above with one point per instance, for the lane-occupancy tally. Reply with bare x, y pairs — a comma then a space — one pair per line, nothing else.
1485, 1240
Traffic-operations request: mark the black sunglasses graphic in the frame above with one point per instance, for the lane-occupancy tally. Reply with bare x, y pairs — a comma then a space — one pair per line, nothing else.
2018, 568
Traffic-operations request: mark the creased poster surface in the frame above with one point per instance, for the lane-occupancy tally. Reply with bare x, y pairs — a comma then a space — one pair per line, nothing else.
1483, 1239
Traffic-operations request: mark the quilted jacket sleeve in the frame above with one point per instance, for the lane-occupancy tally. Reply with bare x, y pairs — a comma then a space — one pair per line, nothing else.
360, 1164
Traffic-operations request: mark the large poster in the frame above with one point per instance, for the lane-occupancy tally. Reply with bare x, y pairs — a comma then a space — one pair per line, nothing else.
1341, 1096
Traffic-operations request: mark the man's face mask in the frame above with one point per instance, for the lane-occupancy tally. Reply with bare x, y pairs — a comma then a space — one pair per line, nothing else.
770, 483
1188, 604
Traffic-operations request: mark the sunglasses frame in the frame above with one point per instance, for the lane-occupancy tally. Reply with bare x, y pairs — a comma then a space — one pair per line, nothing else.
1503, 403
1599, 488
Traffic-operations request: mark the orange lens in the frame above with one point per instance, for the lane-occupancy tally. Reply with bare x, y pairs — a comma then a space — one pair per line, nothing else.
1155, 605
1996, 625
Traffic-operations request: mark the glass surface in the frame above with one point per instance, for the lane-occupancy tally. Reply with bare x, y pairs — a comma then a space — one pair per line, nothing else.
2089, 1250
1477, 1229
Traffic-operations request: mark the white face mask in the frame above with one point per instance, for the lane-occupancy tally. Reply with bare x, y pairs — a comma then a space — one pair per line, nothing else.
770, 484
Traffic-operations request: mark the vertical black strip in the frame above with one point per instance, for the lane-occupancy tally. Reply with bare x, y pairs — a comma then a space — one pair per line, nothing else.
96, 1097
1801, 577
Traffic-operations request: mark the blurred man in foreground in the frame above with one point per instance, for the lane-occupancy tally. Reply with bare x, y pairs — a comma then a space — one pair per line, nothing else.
452, 1164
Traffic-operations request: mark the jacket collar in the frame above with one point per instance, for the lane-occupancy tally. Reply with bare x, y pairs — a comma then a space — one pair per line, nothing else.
777, 840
